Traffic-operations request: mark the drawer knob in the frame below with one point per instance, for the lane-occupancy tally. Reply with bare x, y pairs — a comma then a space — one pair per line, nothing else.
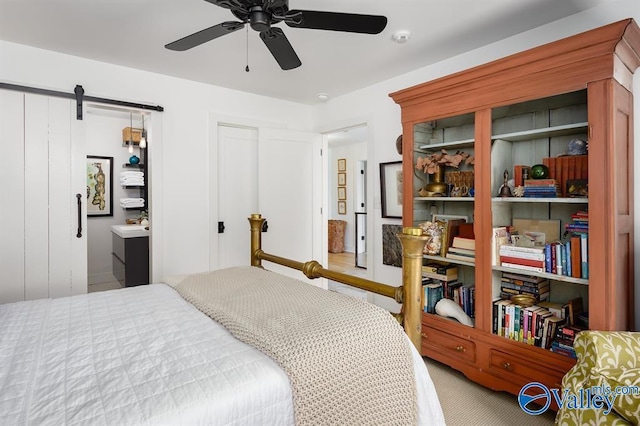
460, 348
423, 335
506, 366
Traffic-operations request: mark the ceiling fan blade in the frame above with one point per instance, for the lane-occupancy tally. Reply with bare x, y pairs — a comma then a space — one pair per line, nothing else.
280, 48
335, 21
204, 36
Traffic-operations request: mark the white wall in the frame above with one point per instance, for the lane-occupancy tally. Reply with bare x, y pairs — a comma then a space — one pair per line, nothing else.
383, 114
180, 191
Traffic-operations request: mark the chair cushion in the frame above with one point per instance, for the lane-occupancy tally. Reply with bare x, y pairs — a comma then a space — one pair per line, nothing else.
625, 380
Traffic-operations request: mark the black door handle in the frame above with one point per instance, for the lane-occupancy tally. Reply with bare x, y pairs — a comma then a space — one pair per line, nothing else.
79, 197
220, 227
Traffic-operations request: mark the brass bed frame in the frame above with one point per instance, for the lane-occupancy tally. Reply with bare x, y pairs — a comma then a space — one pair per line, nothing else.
409, 294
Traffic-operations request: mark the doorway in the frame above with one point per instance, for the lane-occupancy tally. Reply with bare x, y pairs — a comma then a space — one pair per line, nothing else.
347, 189
104, 135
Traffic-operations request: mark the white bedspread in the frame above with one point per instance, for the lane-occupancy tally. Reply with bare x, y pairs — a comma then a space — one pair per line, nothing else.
141, 355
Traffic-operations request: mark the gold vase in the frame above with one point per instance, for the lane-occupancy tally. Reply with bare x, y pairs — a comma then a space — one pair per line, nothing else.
437, 187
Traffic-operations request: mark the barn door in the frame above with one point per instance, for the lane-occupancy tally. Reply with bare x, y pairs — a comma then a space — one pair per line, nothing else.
42, 225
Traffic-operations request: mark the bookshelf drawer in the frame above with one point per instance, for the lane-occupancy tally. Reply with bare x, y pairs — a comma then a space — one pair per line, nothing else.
448, 343
521, 371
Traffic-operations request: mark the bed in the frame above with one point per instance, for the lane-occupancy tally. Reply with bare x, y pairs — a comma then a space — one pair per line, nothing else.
226, 347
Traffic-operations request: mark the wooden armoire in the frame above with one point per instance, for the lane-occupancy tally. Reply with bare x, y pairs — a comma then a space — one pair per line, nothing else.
522, 110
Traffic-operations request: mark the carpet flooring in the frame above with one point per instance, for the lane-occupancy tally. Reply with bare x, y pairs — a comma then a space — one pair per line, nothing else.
465, 403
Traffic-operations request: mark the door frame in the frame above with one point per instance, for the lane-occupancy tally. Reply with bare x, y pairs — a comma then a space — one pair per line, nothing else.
334, 127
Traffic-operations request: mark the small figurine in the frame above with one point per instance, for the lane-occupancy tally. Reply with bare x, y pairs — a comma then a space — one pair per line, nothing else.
505, 191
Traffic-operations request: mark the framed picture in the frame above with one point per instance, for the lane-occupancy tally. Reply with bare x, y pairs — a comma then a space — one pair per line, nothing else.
342, 179
342, 207
447, 217
342, 164
99, 186
391, 189
342, 193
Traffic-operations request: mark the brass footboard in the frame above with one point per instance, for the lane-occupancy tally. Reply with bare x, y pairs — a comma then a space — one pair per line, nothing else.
409, 294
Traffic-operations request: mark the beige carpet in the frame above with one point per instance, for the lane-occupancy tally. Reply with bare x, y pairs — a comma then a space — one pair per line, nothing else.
467, 403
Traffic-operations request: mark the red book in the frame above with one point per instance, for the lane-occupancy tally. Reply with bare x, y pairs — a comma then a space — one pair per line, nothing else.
521, 261
552, 167
576, 265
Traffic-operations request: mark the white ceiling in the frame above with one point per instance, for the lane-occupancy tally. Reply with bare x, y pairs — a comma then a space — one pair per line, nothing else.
133, 33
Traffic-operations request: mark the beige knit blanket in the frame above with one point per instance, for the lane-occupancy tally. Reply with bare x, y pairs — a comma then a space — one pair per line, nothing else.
348, 361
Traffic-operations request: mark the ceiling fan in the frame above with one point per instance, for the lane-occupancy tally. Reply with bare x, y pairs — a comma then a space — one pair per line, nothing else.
262, 14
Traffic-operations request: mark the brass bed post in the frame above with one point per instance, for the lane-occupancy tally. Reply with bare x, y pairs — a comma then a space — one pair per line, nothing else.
256, 221
412, 245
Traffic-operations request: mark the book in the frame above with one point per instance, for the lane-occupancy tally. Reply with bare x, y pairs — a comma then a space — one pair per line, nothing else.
584, 259
576, 267
500, 237
462, 257
459, 250
432, 293
555, 308
440, 272
551, 324
522, 261
566, 258
513, 247
465, 243
450, 230
522, 267
509, 252
535, 279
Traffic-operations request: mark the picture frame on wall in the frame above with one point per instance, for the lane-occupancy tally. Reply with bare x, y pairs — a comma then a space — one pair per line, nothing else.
99, 186
342, 207
391, 189
342, 193
342, 179
342, 164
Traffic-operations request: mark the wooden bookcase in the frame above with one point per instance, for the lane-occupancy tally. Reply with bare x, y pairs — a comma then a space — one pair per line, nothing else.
520, 110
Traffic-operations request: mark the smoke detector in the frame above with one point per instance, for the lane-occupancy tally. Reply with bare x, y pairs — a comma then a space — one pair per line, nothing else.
401, 36
323, 97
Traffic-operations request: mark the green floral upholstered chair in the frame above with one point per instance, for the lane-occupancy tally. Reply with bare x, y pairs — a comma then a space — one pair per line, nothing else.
606, 360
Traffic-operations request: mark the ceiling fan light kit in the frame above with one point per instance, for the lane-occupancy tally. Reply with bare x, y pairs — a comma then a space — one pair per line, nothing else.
262, 15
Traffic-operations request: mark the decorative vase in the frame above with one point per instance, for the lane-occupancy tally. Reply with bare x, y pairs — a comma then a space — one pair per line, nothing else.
437, 187
134, 159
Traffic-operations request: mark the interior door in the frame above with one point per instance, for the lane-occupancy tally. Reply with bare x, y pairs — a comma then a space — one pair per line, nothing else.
43, 166
237, 193
290, 195
276, 173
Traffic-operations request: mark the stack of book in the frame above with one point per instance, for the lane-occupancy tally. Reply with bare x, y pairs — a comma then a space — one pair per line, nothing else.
579, 223
524, 258
537, 287
542, 188
533, 325
566, 168
564, 339
432, 292
446, 275
569, 258
463, 249
467, 299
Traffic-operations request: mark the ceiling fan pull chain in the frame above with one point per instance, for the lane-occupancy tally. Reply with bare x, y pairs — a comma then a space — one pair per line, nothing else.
247, 67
